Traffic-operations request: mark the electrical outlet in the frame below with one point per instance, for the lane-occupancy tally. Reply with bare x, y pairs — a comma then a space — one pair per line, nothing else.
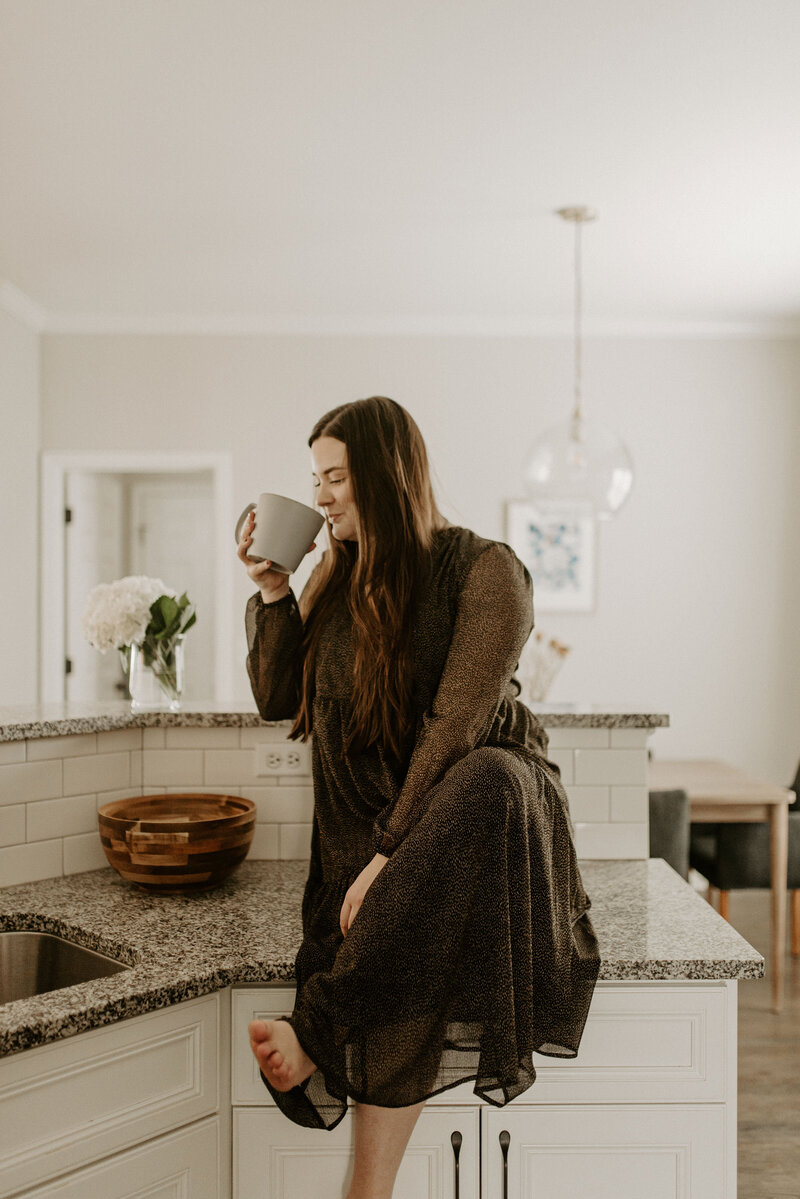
276, 758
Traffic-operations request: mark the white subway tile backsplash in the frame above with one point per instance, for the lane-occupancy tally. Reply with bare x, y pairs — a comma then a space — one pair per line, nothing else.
100, 772
136, 768
578, 738
629, 804
564, 760
12, 751
610, 840
27, 863
83, 853
230, 766
607, 766
279, 805
30, 780
202, 790
202, 738
249, 738
61, 817
113, 796
265, 842
73, 746
118, 739
177, 767
50, 789
295, 840
589, 803
12, 825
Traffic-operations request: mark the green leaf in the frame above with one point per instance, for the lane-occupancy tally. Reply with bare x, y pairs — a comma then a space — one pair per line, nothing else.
192, 620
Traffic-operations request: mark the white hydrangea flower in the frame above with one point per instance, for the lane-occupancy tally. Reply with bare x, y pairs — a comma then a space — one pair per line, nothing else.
117, 614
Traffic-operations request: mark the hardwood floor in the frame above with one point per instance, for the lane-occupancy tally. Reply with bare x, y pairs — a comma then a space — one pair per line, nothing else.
769, 1066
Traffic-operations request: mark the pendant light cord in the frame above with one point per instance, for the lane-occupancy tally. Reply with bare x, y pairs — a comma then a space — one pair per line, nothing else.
577, 414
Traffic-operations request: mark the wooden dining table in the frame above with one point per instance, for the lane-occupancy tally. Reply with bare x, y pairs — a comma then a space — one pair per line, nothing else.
721, 793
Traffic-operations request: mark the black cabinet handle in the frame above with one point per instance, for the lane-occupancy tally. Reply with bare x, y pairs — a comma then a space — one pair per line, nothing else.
455, 1141
505, 1141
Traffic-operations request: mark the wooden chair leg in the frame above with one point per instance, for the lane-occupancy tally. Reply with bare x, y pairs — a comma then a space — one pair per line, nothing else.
725, 905
795, 924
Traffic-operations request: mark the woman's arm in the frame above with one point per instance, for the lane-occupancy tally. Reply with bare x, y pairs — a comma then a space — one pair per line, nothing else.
493, 622
274, 658
274, 635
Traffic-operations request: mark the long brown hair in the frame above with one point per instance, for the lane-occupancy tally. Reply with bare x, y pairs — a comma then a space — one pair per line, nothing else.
380, 575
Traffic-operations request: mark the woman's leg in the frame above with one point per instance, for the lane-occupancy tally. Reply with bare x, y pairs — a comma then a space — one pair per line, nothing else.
381, 1136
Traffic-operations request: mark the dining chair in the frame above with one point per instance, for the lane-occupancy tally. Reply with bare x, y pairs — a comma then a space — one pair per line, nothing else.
735, 857
669, 829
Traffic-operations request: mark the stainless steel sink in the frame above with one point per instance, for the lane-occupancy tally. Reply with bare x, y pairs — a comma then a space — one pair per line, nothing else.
32, 963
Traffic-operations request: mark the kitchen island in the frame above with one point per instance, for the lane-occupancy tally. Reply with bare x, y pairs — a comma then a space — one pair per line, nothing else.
147, 1074
152, 1066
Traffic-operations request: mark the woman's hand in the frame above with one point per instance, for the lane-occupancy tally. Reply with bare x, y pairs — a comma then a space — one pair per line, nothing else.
273, 584
355, 894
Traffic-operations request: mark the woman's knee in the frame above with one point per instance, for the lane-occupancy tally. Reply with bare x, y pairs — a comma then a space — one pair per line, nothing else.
489, 775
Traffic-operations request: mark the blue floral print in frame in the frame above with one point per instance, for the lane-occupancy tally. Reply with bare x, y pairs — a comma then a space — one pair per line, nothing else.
557, 546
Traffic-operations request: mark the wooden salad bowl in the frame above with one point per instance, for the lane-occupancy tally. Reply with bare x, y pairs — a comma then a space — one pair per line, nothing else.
177, 843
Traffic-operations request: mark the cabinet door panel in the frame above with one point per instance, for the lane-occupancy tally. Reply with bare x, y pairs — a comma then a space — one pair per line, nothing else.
176, 1166
664, 1151
275, 1159
67, 1104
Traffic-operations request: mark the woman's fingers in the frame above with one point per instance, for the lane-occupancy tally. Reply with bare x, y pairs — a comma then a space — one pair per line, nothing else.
347, 916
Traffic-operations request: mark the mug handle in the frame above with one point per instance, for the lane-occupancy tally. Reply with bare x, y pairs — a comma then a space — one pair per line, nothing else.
242, 519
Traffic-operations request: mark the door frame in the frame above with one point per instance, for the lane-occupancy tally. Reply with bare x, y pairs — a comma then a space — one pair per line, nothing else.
55, 467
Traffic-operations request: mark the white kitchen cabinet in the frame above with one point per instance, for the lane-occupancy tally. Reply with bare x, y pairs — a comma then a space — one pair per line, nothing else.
609, 1151
180, 1165
647, 1108
276, 1159
73, 1102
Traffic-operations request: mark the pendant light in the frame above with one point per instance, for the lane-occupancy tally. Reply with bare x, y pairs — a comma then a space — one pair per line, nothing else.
579, 463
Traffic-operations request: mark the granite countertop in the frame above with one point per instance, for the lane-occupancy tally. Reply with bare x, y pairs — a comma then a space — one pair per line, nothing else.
649, 923
57, 720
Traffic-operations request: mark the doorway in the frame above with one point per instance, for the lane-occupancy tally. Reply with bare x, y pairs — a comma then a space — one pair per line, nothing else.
108, 516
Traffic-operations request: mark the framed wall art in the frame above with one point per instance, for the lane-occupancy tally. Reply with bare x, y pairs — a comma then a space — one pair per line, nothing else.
557, 544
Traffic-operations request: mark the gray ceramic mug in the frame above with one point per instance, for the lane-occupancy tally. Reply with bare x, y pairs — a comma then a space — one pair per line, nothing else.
284, 530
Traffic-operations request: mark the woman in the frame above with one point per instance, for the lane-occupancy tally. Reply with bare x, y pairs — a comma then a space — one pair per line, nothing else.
446, 934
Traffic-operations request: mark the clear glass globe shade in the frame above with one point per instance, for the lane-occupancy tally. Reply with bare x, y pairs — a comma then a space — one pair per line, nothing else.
580, 463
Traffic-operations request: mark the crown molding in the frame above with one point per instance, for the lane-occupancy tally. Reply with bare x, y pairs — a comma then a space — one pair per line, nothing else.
410, 326
17, 304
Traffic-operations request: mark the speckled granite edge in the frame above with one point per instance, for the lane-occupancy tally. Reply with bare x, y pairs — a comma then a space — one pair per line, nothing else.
48, 721
650, 926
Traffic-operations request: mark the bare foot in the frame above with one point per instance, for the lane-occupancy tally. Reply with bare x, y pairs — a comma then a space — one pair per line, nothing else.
279, 1054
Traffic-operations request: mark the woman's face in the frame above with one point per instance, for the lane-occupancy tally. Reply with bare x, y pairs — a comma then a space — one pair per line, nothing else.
334, 493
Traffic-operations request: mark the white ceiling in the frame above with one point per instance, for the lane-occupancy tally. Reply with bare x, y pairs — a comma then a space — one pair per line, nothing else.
374, 165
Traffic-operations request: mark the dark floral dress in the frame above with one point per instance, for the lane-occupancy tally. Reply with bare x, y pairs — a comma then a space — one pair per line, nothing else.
473, 947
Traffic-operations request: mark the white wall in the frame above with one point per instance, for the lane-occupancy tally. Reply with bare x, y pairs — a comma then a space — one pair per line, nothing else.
19, 524
697, 575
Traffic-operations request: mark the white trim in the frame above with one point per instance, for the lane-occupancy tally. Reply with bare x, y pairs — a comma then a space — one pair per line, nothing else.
17, 304
412, 326
54, 471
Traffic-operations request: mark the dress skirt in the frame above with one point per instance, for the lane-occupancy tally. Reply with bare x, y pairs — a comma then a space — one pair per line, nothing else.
472, 950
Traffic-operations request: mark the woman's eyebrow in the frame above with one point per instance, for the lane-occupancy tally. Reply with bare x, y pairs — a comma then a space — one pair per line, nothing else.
329, 470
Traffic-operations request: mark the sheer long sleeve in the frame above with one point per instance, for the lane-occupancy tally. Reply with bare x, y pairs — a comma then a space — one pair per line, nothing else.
274, 658
493, 622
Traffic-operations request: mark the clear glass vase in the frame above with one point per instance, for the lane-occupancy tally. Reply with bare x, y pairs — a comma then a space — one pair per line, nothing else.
155, 676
